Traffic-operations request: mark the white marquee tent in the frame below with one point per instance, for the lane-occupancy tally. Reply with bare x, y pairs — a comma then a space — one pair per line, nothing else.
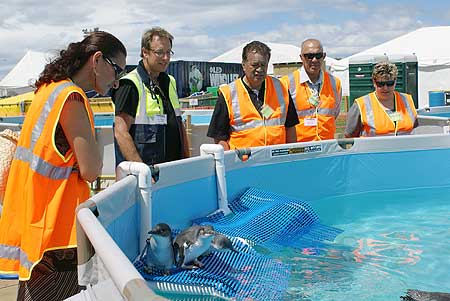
432, 49
280, 53
24, 73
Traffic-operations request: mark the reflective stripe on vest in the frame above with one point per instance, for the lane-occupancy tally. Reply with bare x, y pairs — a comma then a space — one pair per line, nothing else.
16, 253
148, 107
320, 111
241, 126
371, 118
36, 163
369, 115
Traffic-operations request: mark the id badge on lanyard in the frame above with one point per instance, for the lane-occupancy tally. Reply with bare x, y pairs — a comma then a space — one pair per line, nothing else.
159, 119
395, 116
310, 121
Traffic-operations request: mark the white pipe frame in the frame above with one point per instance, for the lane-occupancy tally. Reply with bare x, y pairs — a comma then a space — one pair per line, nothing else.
144, 175
219, 159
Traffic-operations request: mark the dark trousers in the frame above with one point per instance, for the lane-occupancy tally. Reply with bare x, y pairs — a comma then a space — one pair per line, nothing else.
53, 278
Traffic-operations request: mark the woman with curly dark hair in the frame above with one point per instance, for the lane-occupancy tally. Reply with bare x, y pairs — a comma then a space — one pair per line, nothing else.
55, 158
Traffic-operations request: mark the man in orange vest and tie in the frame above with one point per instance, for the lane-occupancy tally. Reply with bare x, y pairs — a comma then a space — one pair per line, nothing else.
316, 94
254, 110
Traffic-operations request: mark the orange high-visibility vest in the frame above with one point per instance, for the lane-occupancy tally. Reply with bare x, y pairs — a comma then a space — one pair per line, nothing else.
377, 122
248, 127
43, 187
325, 112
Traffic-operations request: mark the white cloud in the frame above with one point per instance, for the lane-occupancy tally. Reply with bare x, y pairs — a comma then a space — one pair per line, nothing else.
205, 29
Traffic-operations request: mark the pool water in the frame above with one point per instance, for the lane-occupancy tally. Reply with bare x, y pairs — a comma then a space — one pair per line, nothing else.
392, 241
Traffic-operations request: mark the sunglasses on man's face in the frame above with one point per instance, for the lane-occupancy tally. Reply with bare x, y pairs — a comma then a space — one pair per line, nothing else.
117, 69
310, 56
388, 83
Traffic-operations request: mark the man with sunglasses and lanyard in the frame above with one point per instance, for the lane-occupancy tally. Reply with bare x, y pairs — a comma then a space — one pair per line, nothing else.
316, 94
384, 111
148, 126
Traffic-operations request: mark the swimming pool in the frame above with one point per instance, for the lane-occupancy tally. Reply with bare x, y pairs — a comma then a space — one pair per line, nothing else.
392, 241
388, 194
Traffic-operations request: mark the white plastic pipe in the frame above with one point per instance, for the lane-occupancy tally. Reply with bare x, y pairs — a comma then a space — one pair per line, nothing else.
118, 265
144, 174
219, 159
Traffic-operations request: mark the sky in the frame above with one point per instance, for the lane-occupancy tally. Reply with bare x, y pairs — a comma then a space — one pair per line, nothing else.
206, 29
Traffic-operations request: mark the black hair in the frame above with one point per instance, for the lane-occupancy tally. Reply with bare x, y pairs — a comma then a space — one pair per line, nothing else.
255, 46
72, 59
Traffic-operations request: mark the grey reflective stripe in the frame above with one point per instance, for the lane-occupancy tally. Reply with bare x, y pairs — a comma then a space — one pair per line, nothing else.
280, 98
293, 88
235, 105
369, 115
320, 111
177, 112
407, 106
257, 123
39, 125
15, 253
41, 166
337, 96
36, 163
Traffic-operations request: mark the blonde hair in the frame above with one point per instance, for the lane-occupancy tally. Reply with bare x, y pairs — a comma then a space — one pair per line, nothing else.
148, 35
384, 70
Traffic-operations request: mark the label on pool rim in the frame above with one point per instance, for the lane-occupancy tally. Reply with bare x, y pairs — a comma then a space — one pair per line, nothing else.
296, 150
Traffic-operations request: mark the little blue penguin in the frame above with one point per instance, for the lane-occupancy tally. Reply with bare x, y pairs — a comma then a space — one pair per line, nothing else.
192, 243
416, 295
220, 243
160, 253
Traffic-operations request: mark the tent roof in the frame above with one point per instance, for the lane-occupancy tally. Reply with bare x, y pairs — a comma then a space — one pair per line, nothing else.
280, 53
429, 44
26, 71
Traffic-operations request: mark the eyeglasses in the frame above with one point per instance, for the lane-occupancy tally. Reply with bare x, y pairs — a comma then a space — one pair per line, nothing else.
162, 53
388, 83
117, 69
310, 56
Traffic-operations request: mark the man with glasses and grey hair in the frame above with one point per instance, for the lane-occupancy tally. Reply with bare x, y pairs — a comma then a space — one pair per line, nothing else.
384, 111
148, 126
316, 94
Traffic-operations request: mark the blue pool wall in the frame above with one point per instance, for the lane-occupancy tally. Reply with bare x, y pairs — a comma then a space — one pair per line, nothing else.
187, 189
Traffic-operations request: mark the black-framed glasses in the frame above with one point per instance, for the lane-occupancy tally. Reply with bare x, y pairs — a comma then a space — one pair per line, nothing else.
162, 53
310, 56
119, 71
388, 83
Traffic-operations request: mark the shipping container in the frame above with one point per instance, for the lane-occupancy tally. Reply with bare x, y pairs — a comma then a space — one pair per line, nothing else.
195, 76
360, 75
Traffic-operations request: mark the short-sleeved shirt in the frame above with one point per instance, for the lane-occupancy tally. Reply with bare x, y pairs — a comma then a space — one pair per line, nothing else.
126, 100
219, 127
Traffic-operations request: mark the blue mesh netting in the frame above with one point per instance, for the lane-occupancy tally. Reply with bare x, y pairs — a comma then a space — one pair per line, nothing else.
262, 218
245, 275
273, 221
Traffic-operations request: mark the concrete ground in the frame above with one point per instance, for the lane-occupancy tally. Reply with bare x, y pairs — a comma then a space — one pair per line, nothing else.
8, 290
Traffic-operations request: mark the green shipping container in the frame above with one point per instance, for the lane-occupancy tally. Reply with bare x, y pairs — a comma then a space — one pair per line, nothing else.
360, 75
